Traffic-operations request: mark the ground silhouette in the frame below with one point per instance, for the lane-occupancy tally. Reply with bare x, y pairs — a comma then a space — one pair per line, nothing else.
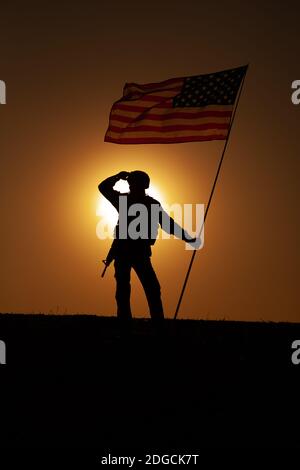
77, 382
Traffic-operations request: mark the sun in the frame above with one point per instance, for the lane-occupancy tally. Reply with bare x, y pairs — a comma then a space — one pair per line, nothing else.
109, 214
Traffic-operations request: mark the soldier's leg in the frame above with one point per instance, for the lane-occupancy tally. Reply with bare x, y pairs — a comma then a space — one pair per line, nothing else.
146, 274
122, 276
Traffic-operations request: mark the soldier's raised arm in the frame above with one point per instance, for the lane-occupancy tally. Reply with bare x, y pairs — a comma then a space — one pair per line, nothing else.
106, 187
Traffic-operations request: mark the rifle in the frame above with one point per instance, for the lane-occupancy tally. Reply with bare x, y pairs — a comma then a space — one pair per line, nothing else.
110, 256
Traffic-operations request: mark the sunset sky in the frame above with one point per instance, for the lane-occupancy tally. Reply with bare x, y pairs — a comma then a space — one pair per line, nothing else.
64, 65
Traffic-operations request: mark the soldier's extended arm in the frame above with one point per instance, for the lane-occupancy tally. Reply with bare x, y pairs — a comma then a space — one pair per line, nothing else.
169, 225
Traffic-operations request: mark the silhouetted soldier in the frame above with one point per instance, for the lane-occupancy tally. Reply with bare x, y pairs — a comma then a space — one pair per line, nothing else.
136, 252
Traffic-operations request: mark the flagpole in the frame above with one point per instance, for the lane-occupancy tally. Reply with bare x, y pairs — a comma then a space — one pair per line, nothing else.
211, 194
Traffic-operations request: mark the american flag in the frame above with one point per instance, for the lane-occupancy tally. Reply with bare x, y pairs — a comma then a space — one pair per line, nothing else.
185, 109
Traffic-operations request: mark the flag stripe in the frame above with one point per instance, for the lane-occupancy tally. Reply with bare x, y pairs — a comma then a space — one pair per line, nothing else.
138, 106
180, 127
147, 101
202, 115
161, 85
157, 125
171, 133
153, 97
161, 113
164, 140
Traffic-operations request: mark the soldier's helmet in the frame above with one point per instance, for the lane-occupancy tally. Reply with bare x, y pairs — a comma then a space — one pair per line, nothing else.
138, 179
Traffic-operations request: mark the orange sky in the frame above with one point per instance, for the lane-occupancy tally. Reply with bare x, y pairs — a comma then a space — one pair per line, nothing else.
64, 66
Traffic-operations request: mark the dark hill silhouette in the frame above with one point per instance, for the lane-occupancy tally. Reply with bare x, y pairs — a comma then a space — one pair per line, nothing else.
76, 382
